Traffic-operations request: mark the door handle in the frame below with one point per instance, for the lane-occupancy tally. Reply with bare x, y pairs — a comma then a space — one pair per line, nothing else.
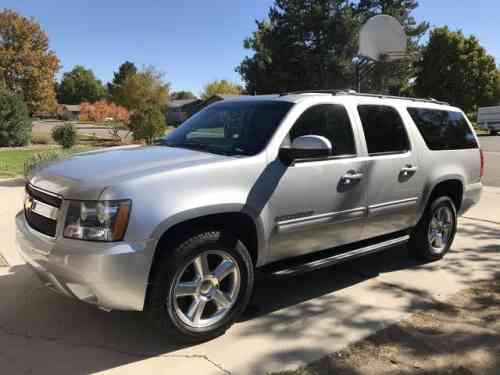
352, 175
409, 169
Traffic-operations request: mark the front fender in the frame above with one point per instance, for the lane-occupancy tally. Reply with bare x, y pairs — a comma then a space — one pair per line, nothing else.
218, 209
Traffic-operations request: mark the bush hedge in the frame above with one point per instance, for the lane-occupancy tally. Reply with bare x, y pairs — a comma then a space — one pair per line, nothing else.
65, 135
15, 122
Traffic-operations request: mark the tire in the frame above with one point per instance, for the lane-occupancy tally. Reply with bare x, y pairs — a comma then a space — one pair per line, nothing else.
180, 271
424, 241
493, 132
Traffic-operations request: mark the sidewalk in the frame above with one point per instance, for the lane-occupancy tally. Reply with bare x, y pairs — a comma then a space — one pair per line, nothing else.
488, 208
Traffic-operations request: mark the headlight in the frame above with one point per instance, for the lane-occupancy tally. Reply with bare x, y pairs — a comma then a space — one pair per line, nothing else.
97, 220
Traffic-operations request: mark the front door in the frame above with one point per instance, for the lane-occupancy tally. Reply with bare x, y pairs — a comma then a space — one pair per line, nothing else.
393, 178
319, 204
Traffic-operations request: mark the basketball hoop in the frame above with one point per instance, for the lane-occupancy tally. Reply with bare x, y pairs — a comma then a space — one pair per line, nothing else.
382, 40
398, 56
382, 36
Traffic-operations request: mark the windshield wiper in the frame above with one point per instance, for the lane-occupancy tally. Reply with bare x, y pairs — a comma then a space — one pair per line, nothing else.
199, 147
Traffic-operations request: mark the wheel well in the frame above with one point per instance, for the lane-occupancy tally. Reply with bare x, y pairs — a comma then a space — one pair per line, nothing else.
452, 188
239, 224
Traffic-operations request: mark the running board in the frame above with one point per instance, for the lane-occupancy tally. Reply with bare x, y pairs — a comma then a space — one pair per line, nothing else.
339, 258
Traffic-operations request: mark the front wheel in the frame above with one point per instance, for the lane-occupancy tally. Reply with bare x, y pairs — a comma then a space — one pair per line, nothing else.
202, 286
434, 234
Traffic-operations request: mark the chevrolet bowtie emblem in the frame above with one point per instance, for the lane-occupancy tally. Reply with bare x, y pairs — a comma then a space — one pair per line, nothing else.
28, 203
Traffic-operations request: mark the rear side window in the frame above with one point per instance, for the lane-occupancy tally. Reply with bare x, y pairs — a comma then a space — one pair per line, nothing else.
330, 121
443, 130
384, 130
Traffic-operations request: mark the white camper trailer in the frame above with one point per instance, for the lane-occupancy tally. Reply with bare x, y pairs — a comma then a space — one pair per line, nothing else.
488, 118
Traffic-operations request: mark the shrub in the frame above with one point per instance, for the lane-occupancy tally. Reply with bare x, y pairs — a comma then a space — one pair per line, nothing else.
147, 124
15, 123
115, 117
65, 135
38, 161
41, 139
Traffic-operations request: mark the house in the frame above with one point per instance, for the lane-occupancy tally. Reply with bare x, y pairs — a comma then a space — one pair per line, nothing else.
70, 112
180, 110
219, 97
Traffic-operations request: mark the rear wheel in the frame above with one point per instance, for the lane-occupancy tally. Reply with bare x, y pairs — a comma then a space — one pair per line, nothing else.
201, 287
434, 234
493, 132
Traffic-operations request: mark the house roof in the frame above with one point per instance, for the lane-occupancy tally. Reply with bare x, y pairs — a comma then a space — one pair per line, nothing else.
71, 107
229, 96
181, 102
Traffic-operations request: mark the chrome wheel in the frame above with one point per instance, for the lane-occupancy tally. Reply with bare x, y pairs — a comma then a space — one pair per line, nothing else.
206, 289
440, 229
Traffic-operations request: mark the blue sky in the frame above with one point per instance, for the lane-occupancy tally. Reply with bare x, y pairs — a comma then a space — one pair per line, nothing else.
194, 42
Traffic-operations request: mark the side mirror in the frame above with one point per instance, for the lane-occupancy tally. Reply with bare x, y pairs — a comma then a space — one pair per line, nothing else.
306, 147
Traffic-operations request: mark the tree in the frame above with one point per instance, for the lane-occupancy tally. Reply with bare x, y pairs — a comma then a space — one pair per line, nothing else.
147, 123
302, 45
458, 70
15, 124
27, 66
80, 85
220, 87
125, 71
115, 117
144, 88
311, 44
180, 95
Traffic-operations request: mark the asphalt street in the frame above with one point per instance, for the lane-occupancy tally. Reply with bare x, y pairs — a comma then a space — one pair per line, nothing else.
491, 148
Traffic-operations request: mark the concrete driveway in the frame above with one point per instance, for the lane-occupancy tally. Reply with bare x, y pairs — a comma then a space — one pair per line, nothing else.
290, 322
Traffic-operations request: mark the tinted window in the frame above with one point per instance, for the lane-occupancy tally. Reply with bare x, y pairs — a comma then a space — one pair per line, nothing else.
384, 130
443, 130
330, 121
230, 128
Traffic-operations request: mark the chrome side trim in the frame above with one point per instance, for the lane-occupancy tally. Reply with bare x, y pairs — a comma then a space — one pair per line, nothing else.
389, 206
325, 262
339, 216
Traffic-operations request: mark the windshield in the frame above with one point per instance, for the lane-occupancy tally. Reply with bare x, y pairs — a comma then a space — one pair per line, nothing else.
230, 128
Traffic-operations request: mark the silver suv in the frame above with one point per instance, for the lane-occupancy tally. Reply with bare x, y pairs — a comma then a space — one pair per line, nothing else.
284, 184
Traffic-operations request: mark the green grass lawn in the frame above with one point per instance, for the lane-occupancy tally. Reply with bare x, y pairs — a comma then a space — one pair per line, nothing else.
12, 160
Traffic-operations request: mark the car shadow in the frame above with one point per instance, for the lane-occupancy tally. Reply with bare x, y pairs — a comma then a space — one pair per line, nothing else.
32, 312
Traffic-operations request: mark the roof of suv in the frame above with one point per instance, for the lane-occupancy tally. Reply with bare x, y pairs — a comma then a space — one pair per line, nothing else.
344, 95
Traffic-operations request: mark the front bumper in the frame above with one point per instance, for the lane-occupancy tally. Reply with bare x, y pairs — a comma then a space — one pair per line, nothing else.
113, 276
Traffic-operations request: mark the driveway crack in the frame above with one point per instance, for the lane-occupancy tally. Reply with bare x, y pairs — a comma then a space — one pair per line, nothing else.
481, 220
8, 332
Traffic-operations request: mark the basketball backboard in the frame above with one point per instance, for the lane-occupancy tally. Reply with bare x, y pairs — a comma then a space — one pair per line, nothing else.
382, 38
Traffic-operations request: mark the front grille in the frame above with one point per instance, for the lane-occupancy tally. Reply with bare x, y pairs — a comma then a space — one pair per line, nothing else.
43, 197
39, 222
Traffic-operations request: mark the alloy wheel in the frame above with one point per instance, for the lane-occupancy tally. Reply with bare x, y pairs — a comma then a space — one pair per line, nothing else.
206, 289
440, 229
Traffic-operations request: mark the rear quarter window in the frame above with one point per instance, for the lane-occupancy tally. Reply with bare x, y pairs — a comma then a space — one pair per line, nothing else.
443, 130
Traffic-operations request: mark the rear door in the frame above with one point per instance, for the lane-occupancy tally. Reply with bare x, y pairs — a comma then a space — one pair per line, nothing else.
393, 175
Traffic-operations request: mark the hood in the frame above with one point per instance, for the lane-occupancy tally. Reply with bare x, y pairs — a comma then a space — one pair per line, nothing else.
96, 170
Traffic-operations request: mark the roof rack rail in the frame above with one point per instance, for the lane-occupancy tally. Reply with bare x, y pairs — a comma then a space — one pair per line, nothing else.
355, 93
331, 92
